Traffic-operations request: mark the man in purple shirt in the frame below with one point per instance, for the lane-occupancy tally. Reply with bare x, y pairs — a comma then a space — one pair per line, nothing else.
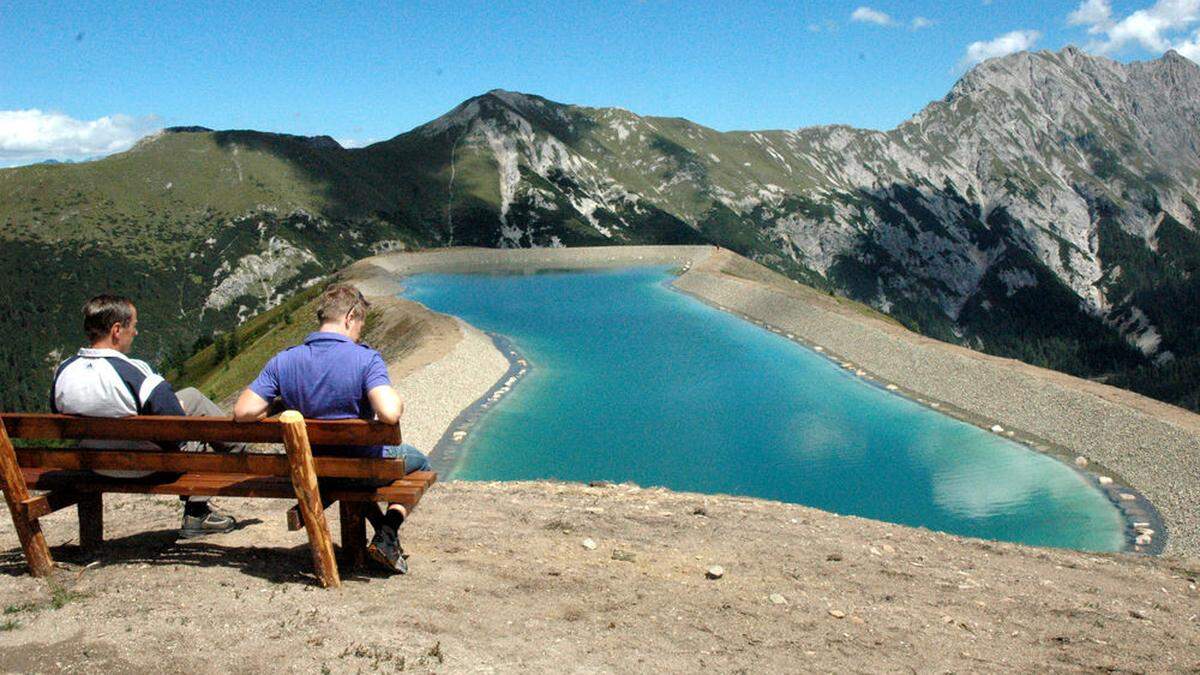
331, 376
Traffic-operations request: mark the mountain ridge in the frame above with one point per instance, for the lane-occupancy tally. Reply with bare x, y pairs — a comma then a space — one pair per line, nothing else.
1043, 209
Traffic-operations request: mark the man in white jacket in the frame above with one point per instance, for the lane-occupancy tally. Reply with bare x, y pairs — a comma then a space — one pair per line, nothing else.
102, 381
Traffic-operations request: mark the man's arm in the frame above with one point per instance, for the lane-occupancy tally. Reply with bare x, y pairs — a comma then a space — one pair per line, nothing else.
384, 399
386, 403
250, 407
255, 400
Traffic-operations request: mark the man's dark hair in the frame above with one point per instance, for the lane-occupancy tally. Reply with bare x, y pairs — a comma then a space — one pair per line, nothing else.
102, 311
340, 300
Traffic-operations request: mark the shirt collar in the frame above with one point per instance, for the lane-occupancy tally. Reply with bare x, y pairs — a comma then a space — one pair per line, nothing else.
89, 353
322, 335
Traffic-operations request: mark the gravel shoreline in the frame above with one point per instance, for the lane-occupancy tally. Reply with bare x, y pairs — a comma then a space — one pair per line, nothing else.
1149, 446
449, 451
435, 394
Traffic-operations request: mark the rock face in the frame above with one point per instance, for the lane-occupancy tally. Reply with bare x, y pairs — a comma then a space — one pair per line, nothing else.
260, 274
1043, 209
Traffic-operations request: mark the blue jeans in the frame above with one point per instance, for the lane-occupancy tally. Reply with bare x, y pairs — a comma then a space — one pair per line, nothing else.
414, 459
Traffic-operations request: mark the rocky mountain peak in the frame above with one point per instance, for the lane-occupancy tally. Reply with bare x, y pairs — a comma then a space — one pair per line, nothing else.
496, 104
1174, 57
323, 142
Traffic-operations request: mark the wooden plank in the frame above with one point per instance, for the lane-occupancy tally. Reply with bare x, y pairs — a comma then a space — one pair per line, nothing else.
29, 531
426, 478
184, 462
44, 505
304, 480
213, 484
91, 520
354, 533
167, 428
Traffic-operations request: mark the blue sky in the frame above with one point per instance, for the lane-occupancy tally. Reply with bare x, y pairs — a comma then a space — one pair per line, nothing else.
79, 79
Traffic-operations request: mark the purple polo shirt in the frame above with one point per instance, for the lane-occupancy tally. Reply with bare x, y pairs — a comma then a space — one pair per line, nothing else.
326, 378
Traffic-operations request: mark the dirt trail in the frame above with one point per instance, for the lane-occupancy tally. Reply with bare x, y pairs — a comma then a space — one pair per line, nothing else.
501, 580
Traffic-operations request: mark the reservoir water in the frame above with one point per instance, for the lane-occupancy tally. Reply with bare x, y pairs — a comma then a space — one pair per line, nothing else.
633, 381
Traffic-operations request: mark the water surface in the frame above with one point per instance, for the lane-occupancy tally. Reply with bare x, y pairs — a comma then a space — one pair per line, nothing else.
633, 381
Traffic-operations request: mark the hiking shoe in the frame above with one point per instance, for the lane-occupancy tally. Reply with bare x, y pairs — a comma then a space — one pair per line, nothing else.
211, 522
385, 550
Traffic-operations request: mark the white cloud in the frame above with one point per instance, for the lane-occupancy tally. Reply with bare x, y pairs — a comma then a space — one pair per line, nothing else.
33, 135
1016, 41
868, 15
1095, 14
1154, 28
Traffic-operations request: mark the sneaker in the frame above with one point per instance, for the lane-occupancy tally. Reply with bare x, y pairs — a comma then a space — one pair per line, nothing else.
385, 550
212, 522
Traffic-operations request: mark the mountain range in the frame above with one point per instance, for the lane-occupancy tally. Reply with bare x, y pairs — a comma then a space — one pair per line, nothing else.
1045, 209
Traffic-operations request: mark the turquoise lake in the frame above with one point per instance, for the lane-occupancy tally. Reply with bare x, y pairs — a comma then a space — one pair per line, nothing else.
631, 380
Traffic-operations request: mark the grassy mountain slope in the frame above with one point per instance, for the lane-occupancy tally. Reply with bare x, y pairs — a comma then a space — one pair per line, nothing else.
168, 223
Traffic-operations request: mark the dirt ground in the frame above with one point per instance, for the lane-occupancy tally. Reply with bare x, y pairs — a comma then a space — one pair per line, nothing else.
565, 577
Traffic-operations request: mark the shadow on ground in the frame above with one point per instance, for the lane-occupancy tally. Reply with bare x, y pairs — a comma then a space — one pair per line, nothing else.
164, 548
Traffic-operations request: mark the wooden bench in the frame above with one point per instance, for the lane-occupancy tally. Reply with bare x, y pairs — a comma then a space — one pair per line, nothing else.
64, 476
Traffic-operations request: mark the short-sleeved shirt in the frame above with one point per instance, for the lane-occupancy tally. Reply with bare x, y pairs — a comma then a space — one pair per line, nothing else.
326, 378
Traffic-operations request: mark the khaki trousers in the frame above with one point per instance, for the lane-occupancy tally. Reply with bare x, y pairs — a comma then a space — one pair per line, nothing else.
196, 404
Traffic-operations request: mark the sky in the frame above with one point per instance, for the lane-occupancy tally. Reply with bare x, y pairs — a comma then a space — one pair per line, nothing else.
81, 79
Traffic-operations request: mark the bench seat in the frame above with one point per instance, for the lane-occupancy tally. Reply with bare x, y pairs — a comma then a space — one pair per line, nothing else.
407, 490
65, 477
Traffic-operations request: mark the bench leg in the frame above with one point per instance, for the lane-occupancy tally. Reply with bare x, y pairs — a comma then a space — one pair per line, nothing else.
354, 533
304, 480
91, 520
29, 532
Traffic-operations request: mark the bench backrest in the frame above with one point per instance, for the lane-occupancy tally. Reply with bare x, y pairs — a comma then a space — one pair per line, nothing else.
172, 429
39, 426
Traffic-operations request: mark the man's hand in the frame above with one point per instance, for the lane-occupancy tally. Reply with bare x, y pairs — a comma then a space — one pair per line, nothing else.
386, 403
250, 407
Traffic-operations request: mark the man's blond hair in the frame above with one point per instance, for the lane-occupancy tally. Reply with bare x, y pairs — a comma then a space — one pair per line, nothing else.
339, 301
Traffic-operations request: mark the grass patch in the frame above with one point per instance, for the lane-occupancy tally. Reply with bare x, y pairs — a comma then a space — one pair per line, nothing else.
259, 339
61, 597
23, 607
